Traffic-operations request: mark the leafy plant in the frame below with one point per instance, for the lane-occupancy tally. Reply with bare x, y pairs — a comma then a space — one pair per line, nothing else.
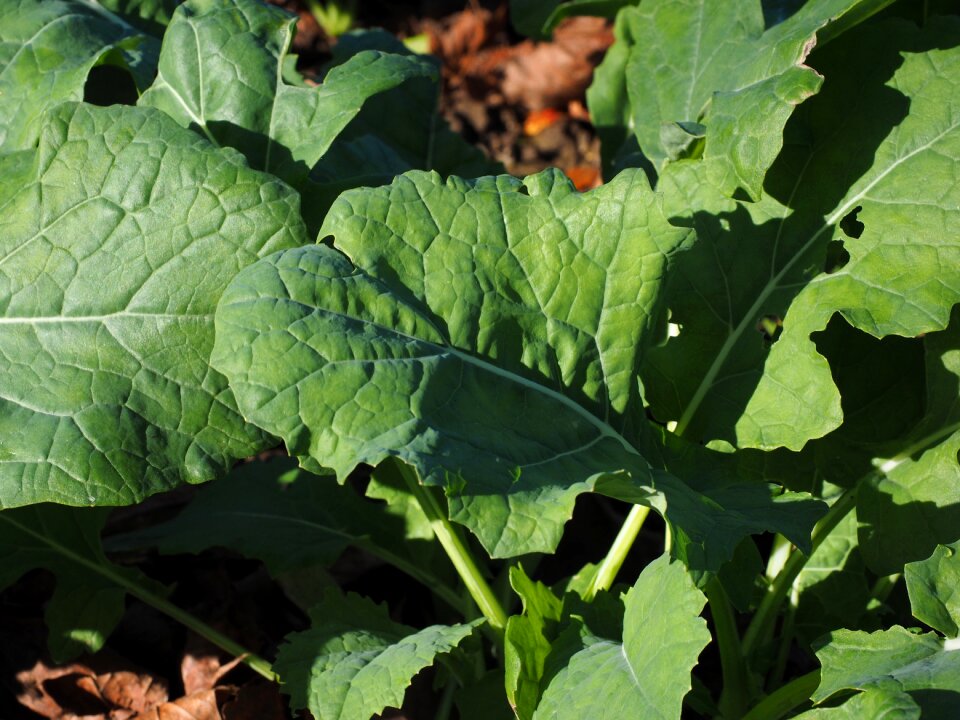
750, 330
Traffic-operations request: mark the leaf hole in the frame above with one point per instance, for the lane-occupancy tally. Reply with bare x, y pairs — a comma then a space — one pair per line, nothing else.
770, 327
109, 85
850, 226
837, 256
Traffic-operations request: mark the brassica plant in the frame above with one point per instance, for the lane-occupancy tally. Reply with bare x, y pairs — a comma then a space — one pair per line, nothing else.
749, 330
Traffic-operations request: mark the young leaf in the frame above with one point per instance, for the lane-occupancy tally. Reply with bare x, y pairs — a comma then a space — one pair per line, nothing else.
695, 61
355, 661
856, 154
112, 258
646, 672
528, 642
934, 587
47, 49
88, 600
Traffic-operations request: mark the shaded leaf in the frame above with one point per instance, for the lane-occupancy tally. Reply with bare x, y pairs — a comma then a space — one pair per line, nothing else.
934, 587
756, 262
694, 61
875, 704
90, 593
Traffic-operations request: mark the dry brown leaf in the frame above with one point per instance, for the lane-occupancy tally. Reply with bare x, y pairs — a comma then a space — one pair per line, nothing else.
554, 73
203, 705
201, 667
78, 692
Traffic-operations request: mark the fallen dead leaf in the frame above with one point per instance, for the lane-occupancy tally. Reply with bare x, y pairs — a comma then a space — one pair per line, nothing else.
201, 667
78, 692
203, 705
554, 73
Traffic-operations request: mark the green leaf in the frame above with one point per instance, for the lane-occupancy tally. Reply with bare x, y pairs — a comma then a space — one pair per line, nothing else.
47, 50
895, 660
646, 673
152, 16
270, 511
854, 152
528, 642
832, 590
501, 373
355, 661
934, 588
236, 96
88, 600
873, 704
112, 259
479, 363
913, 503
694, 61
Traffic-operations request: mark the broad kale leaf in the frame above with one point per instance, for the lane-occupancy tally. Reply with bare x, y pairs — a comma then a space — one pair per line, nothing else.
489, 334
683, 63
47, 49
853, 157
355, 661
114, 250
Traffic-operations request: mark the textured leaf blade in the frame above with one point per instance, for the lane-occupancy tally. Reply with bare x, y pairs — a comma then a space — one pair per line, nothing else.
647, 671
355, 662
112, 260
47, 50
439, 382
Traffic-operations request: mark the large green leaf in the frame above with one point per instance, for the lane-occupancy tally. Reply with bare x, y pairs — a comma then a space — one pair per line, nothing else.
854, 157
646, 672
113, 256
697, 61
88, 600
236, 95
489, 335
47, 49
355, 661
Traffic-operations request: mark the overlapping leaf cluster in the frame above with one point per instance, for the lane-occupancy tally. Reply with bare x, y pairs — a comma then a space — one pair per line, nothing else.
751, 321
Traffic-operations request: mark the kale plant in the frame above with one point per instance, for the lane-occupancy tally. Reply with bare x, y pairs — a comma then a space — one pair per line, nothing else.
749, 329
